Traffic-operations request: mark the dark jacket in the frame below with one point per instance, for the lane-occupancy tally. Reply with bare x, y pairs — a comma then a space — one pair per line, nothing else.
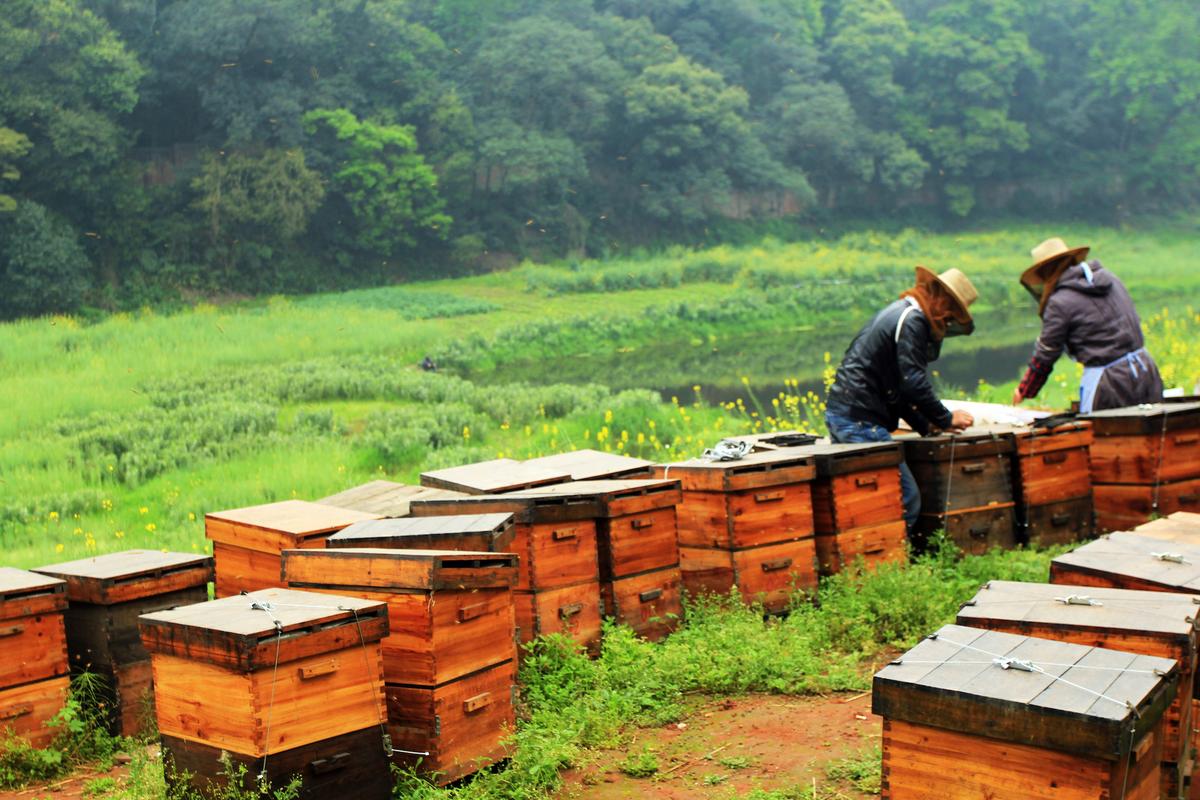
1097, 324
884, 378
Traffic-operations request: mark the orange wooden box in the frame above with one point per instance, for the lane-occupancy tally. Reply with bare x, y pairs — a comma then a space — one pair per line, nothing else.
491, 477
383, 498
247, 541
570, 610
1130, 561
649, 602
1122, 507
1145, 445
971, 713
32, 635
1052, 483
25, 709
768, 574
594, 465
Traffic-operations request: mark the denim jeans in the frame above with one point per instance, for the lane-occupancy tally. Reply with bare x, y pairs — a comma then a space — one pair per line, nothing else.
844, 430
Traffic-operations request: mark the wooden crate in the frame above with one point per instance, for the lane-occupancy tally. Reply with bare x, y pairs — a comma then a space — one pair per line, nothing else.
384, 498
648, 602
966, 488
1122, 507
857, 507
457, 728
959, 725
450, 613
483, 533
768, 574
1052, 484
776, 440
32, 634
1060, 523
491, 477
247, 541
1150, 623
1182, 527
25, 709
1130, 561
570, 610
280, 669
1154, 443
593, 465
350, 765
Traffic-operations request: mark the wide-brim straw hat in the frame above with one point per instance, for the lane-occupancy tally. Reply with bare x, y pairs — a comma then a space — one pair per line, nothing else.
1049, 252
956, 284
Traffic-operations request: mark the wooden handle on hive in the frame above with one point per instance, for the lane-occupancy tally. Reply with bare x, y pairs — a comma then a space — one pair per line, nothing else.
476, 703
563, 533
652, 594
1054, 458
873, 551
19, 710
1189, 499
318, 670
777, 564
768, 497
864, 482
971, 469
640, 524
334, 762
980, 532
474, 611
11, 630
570, 611
1058, 520
1186, 438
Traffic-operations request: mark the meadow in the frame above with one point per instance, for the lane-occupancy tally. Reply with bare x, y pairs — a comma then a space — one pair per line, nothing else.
123, 431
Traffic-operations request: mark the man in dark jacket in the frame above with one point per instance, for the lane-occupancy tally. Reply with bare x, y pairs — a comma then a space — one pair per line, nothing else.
884, 376
1087, 310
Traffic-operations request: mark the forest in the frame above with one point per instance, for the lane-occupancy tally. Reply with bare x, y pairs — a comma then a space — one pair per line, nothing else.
158, 151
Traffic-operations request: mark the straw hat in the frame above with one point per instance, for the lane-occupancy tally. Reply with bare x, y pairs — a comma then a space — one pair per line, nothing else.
956, 285
1048, 252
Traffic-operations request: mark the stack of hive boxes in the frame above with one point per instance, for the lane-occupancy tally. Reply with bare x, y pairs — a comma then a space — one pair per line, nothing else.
450, 657
247, 542
33, 672
107, 594
1052, 483
747, 523
281, 682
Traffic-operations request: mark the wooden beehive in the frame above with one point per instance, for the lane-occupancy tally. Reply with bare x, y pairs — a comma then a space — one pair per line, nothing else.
1130, 561
776, 440
966, 488
106, 595
33, 671
638, 541
491, 477
289, 683
383, 498
1150, 623
747, 523
554, 538
857, 506
593, 465
970, 713
1145, 462
1182, 527
452, 635
247, 541
1052, 483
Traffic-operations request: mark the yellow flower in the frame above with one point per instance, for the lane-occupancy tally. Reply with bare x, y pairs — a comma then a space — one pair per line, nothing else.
119, 534
151, 527
191, 516
143, 510
58, 548
54, 516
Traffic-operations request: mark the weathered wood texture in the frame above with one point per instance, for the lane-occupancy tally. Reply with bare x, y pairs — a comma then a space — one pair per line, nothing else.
129, 697
1052, 483
490, 477
101, 637
33, 639
26, 709
478, 532
648, 603
352, 765
1182, 527
1146, 445
570, 610
461, 725
883, 543
746, 518
1064, 522
1150, 623
130, 575
1121, 507
975, 531
384, 498
1130, 561
755, 471
247, 541
592, 465
768, 574
450, 614
27, 594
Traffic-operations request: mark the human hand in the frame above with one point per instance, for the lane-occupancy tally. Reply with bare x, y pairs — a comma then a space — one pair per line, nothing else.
1017, 396
960, 421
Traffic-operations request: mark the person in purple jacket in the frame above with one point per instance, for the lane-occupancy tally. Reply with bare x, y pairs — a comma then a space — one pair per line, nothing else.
1087, 310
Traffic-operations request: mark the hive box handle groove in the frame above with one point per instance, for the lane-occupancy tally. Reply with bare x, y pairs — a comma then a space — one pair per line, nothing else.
477, 703
864, 482
563, 533
970, 469
325, 765
639, 524
468, 613
652, 594
768, 497
17, 711
777, 564
11, 630
1058, 520
318, 670
1054, 458
571, 610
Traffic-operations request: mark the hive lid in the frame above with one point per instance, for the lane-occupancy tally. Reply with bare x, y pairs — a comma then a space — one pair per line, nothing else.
1054, 695
1144, 419
384, 498
776, 440
130, 575
490, 477
240, 631
767, 468
380, 568
297, 519
971, 443
1161, 614
1182, 527
23, 593
525, 508
590, 465
1140, 559
839, 459
481, 532
615, 496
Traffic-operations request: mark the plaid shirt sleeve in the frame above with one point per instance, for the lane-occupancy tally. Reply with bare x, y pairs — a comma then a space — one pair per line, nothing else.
1035, 377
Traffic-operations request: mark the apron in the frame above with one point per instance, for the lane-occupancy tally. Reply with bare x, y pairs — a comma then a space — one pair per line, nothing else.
1092, 376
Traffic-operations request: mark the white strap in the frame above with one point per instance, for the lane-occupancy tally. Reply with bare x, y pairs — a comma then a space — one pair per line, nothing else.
912, 305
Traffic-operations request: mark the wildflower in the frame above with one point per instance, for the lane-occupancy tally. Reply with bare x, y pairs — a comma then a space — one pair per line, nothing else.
143, 510
119, 534
58, 548
54, 516
192, 514
151, 527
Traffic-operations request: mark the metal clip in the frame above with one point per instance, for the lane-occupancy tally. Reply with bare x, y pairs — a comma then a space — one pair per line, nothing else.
262, 605
387, 745
897, 662
1159, 672
968, 603
437, 725
1174, 558
1078, 600
1014, 663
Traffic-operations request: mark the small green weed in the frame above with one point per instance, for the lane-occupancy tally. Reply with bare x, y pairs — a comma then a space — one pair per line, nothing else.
639, 765
735, 762
864, 771
99, 787
714, 779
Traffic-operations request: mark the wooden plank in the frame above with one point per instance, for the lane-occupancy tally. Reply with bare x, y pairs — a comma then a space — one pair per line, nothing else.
974, 443
613, 497
24, 593
241, 569
525, 507
35, 649
130, 575
26, 709
874, 544
833, 460
399, 569
974, 531
491, 477
1144, 419
648, 603
965, 483
754, 471
570, 610
297, 518
1127, 561
386, 499
478, 532
781, 513
636, 543
768, 575
102, 637
1136, 504
1049, 477
857, 499
590, 465
1059, 523
1146, 459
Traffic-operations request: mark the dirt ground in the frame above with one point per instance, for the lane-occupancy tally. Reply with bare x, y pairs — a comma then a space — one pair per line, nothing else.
70, 788
733, 746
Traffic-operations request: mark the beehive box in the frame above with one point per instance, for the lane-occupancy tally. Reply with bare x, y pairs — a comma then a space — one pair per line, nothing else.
747, 523
1145, 461
491, 477
966, 488
1129, 561
292, 683
33, 680
554, 538
1182, 527
247, 541
776, 440
593, 465
383, 498
857, 506
1150, 623
1052, 483
1061, 721
638, 541
107, 594
452, 635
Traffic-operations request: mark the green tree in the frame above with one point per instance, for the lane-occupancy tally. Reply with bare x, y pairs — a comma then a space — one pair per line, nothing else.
13, 146
389, 189
42, 267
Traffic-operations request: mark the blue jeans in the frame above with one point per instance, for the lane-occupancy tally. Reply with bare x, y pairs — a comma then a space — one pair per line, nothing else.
844, 430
